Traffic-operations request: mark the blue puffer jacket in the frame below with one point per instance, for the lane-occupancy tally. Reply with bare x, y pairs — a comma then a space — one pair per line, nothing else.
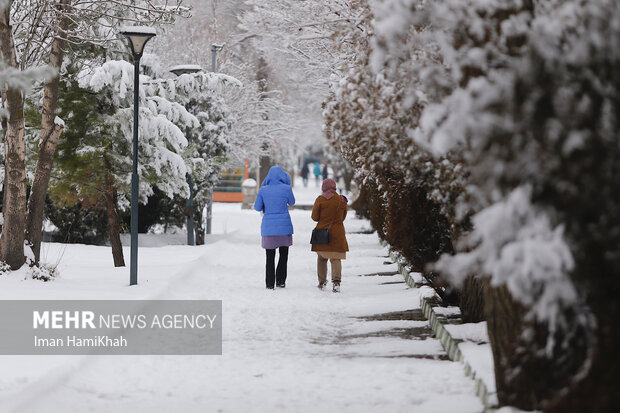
273, 198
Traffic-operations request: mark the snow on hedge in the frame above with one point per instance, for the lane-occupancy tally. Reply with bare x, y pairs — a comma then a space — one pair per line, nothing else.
516, 244
468, 72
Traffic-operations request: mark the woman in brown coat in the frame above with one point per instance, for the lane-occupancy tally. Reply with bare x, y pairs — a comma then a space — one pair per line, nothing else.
330, 210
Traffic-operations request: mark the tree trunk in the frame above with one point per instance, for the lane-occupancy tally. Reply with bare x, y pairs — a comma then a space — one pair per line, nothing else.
348, 177
265, 165
113, 223
528, 374
199, 232
50, 134
504, 321
14, 208
471, 299
36, 202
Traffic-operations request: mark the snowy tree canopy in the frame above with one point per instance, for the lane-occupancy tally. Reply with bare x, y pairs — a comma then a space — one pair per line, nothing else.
35, 22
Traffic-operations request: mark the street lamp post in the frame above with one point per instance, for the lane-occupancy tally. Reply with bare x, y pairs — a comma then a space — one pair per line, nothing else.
137, 36
189, 204
214, 49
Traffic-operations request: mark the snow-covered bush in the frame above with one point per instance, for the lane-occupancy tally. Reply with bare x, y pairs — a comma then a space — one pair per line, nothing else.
369, 119
559, 108
532, 111
43, 272
4, 268
502, 114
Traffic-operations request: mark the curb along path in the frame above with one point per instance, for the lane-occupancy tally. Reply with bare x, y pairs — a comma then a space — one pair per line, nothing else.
441, 319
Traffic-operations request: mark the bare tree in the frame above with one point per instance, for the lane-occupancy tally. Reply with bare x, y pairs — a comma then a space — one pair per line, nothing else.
262, 117
12, 239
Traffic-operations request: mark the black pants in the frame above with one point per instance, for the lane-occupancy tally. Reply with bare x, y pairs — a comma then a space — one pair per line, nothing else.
278, 275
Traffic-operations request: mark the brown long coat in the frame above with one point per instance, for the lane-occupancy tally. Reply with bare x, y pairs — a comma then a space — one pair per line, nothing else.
331, 211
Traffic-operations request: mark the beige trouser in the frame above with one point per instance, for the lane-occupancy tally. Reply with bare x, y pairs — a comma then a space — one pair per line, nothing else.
321, 267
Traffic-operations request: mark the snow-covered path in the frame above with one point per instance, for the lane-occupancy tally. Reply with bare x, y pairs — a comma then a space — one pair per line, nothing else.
292, 350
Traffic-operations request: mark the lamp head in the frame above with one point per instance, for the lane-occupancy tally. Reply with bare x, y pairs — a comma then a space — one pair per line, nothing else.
138, 36
184, 69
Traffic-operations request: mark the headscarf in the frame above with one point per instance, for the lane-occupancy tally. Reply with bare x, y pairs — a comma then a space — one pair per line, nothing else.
328, 188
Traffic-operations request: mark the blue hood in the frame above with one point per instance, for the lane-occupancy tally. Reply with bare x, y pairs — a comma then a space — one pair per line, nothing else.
273, 199
276, 176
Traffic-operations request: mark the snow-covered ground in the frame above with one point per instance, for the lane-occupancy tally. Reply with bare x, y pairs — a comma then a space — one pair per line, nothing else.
292, 350
475, 348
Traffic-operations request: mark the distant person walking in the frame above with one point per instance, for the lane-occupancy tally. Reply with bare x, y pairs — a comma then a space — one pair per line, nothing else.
330, 211
325, 172
340, 184
273, 199
305, 171
317, 172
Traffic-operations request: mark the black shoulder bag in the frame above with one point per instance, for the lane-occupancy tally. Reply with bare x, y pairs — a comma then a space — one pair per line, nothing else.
321, 236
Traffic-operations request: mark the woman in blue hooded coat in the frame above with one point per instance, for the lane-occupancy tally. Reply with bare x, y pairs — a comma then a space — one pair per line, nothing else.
273, 199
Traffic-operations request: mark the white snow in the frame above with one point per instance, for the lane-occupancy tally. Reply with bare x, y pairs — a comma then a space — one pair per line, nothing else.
518, 245
297, 349
509, 409
157, 240
58, 121
447, 311
476, 349
480, 358
469, 331
417, 277
186, 67
28, 252
137, 30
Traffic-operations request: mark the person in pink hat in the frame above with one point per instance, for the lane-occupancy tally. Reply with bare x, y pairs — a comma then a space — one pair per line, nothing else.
330, 211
